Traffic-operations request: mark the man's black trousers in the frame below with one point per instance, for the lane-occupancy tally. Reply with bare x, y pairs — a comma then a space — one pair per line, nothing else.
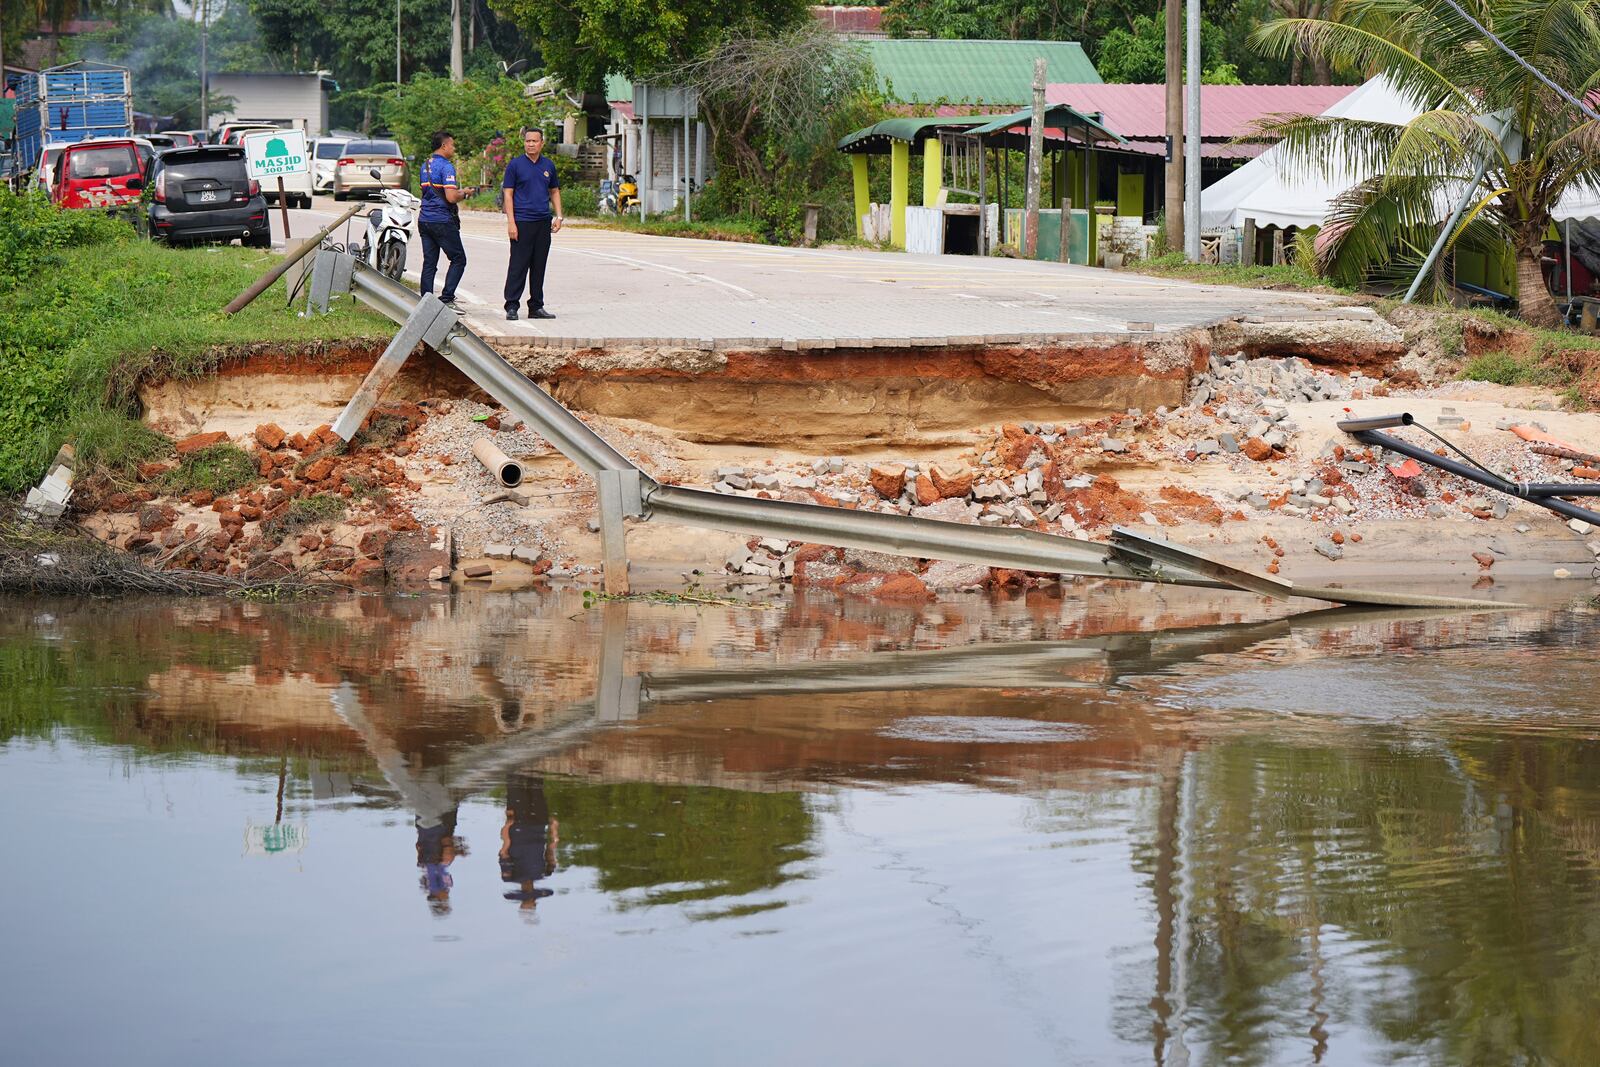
529, 254
444, 236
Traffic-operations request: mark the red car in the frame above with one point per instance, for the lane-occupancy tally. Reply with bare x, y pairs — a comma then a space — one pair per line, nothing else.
98, 174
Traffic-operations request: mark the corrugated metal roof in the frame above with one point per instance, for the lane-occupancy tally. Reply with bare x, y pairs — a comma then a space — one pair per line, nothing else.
1061, 115
876, 138
1226, 111
926, 70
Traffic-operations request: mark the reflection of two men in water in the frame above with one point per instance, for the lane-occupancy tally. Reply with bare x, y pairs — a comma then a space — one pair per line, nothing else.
528, 840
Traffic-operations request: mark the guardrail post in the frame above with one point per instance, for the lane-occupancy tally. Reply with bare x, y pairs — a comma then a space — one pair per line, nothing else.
616, 693
331, 274
619, 496
321, 292
430, 323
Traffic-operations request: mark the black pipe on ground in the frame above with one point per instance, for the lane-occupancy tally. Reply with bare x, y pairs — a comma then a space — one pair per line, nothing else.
1545, 495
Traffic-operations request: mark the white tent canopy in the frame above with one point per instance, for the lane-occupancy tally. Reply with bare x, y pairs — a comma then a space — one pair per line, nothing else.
1266, 190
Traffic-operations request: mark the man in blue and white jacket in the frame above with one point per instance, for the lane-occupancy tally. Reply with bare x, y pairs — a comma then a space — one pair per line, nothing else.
439, 221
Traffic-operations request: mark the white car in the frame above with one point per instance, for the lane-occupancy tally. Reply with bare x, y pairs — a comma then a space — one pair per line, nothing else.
44, 173
325, 153
297, 189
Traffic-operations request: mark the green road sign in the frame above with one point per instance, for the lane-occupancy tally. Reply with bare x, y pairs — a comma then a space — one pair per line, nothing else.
276, 153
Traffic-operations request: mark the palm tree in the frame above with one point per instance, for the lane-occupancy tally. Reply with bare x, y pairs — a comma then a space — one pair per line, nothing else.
1304, 9
1464, 84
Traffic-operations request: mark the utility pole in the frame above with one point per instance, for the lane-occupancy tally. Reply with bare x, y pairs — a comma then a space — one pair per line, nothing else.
205, 80
1174, 175
456, 71
397, 42
1191, 161
1035, 161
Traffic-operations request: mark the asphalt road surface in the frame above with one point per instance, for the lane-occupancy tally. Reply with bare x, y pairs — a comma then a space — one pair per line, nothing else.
608, 285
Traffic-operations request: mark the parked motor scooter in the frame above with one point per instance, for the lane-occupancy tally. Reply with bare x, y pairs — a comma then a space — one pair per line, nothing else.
627, 193
388, 234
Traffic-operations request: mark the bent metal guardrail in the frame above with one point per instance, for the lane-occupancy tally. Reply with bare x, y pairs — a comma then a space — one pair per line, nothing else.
626, 490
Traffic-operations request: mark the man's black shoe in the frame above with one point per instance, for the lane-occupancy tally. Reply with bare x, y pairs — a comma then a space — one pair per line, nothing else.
540, 313
511, 315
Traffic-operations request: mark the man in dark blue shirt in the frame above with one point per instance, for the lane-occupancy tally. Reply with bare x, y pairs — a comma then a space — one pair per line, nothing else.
533, 213
439, 221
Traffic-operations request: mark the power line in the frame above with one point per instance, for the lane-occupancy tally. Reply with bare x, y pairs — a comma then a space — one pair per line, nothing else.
1529, 67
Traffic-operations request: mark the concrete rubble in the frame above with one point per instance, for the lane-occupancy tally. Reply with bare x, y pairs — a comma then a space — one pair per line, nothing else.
1236, 452
48, 501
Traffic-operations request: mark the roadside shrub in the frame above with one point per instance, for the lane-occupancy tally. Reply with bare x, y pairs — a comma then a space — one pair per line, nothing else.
222, 468
1304, 249
33, 233
580, 199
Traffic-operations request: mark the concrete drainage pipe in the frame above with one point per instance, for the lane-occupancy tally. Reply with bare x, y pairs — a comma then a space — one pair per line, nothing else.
505, 469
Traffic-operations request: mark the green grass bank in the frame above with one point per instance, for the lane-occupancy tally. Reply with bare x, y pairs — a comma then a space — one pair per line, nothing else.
88, 311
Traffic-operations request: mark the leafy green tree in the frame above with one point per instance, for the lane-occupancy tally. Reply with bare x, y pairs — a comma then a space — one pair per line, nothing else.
362, 36
1431, 53
1107, 29
776, 105
1139, 54
298, 31
476, 112
1031, 20
582, 43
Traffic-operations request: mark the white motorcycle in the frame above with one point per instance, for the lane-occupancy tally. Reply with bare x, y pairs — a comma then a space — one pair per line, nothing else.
389, 232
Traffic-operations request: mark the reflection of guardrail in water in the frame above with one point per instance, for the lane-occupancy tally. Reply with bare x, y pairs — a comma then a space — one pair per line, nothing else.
625, 490
621, 697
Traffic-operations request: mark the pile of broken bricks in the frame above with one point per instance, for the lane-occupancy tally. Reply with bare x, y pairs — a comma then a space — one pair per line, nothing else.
242, 538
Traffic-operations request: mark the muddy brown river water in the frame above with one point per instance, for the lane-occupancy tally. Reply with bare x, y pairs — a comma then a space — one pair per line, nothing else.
1104, 826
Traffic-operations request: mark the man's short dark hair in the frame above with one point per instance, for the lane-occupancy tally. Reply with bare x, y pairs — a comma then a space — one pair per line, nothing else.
534, 129
440, 138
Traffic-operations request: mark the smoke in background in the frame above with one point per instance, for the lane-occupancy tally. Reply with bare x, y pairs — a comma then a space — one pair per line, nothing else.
162, 50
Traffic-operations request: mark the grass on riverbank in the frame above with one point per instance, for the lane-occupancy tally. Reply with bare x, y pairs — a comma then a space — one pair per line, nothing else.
738, 230
1289, 276
88, 312
1508, 351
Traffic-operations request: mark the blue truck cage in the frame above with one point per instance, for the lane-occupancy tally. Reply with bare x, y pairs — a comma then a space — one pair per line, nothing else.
75, 102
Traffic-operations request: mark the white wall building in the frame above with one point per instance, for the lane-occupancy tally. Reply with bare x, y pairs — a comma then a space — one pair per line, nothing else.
297, 101
677, 153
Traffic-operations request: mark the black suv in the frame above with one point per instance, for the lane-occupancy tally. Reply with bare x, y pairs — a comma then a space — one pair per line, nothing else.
202, 193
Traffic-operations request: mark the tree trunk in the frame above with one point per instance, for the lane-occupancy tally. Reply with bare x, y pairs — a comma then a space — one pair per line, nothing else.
1173, 193
1296, 65
1535, 305
1322, 71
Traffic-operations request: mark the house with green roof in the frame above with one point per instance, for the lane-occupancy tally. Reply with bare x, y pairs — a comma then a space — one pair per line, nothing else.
924, 70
